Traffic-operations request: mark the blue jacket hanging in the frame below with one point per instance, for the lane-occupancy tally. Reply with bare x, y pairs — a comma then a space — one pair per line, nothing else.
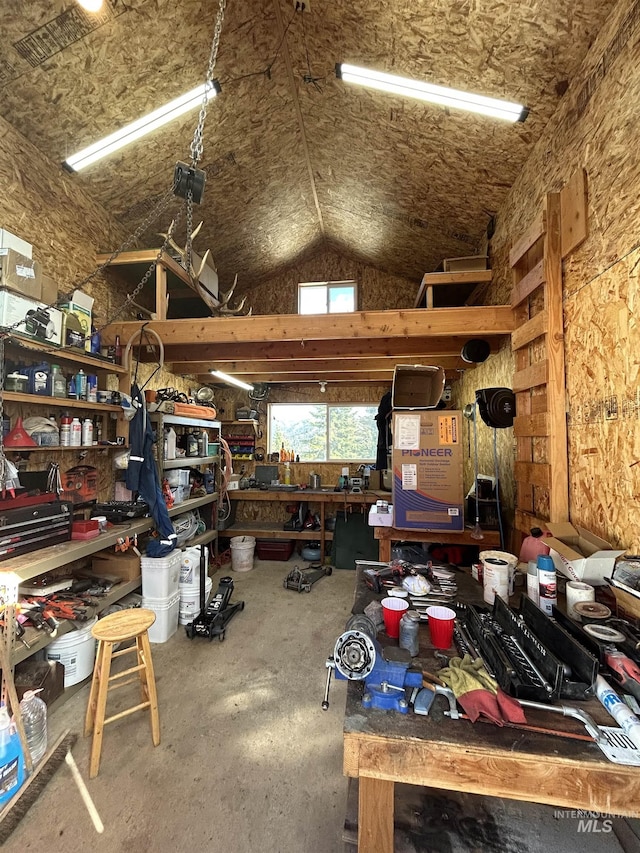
142, 477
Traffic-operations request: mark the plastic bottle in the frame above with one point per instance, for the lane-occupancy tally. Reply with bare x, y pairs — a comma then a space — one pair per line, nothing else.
65, 430
71, 392
533, 545
117, 351
95, 340
170, 446
192, 444
11, 759
87, 432
81, 384
34, 718
547, 584
76, 433
57, 382
287, 474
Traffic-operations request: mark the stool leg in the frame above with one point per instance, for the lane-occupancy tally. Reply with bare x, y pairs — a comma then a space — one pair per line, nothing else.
150, 683
91, 705
101, 707
144, 693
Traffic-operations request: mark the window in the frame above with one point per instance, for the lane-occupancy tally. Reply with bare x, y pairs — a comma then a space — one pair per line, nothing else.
324, 433
327, 297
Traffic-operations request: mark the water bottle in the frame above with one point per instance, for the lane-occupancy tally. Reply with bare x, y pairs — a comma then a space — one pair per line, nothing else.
11, 759
76, 433
34, 718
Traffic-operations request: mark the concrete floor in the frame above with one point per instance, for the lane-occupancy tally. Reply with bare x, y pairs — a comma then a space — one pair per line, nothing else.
248, 761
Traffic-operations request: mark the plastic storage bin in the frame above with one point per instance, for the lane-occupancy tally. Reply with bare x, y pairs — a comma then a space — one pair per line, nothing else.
161, 575
167, 611
178, 477
274, 549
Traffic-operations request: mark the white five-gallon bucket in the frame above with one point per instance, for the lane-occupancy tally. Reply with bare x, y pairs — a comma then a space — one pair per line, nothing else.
190, 601
242, 548
76, 651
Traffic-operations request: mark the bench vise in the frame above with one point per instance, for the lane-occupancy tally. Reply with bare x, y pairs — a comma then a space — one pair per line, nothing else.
358, 656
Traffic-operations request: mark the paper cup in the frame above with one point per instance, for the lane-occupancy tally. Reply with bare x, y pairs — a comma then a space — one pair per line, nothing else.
441, 621
392, 610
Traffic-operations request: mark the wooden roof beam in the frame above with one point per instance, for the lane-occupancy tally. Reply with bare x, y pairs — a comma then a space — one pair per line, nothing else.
409, 323
313, 365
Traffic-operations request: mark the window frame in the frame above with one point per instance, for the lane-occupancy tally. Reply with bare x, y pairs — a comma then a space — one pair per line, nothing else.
327, 407
329, 285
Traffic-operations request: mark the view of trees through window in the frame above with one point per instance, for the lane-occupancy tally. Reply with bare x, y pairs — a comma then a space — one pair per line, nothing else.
317, 432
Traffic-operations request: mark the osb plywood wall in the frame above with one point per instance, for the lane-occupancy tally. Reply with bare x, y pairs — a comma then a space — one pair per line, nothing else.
376, 289
597, 127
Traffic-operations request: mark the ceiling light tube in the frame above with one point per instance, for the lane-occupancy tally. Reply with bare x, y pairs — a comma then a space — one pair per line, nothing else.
434, 94
185, 103
91, 5
231, 380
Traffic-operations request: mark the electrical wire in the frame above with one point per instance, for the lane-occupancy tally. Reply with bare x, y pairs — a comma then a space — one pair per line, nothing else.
495, 473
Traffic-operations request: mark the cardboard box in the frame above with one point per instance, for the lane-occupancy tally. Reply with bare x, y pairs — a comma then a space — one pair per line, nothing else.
49, 293
20, 274
380, 519
416, 386
428, 491
579, 554
41, 322
11, 241
125, 566
467, 263
80, 307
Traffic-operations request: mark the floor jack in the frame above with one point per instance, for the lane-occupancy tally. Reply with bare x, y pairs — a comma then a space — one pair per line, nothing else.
303, 581
213, 617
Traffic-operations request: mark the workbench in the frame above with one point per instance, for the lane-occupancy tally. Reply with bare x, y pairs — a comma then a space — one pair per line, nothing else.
274, 530
384, 747
387, 535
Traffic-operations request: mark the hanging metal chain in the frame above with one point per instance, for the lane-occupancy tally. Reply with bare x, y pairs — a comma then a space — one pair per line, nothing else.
188, 248
196, 143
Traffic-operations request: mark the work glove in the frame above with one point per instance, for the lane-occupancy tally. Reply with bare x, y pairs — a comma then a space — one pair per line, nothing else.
478, 693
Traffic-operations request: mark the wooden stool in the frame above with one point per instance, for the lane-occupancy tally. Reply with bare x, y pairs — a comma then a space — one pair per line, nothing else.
116, 628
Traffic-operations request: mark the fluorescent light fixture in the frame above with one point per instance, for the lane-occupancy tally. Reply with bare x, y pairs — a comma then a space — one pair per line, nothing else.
428, 92
91, 5
185, 103
231, 380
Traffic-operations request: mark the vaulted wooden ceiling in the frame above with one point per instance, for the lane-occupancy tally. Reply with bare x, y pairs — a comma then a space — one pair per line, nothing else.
294, 157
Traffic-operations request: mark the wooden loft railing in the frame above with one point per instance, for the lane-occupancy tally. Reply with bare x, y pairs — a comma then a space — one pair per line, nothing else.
540, 428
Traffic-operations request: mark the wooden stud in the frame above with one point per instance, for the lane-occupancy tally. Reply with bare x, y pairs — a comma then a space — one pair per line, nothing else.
530, 377
531, 236
533, 425
574, 212
527, 284
375, 815
533, 473
534, 328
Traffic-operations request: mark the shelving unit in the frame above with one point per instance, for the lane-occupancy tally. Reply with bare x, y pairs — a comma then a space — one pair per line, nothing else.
160, 421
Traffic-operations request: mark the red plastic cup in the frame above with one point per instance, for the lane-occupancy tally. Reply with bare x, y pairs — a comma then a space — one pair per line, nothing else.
441, 621
392, 610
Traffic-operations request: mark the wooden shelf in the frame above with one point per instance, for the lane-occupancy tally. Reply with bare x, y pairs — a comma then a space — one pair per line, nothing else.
201, 538
40, 639
192, 503
265, 530
182, 420
187, 461
63, 354
59, 402
251, 423
58, 447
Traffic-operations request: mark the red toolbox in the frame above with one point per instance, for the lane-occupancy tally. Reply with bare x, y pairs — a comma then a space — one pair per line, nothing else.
274, 549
